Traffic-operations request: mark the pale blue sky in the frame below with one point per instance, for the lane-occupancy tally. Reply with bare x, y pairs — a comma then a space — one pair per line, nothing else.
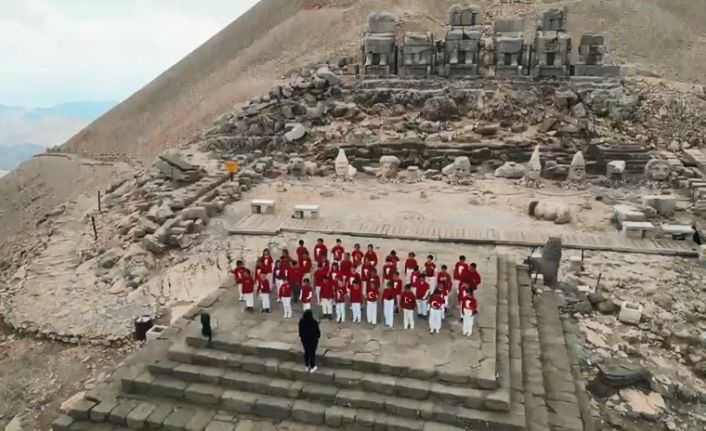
56, 51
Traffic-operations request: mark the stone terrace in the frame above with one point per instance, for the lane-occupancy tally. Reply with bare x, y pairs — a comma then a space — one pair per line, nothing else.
371, 378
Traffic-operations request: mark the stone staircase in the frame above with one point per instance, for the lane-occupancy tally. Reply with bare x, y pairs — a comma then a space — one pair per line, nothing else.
237, 385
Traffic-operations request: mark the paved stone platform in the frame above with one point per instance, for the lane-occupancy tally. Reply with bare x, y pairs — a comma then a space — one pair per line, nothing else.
371, 378
274, 224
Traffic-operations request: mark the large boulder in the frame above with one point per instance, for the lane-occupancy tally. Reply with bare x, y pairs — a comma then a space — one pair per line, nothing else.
195, 213
511, 170
296, 132
441, 108
331, 78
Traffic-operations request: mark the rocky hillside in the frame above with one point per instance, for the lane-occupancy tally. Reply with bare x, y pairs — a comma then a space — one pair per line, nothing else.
248, 56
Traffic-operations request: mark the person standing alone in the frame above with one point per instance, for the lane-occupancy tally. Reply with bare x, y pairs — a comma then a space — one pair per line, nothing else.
309, 335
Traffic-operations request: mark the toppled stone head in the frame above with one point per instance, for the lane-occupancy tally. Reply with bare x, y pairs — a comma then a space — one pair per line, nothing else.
657, 170
389, 167
461, 167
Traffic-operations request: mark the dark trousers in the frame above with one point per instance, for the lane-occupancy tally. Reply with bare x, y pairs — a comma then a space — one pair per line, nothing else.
296, 292
310, 353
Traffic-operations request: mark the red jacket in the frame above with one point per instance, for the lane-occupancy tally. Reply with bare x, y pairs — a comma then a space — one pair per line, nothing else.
415, 277
473, 277
267, 261
295, 275
327, 290
469, 303
372, 257
444, 280
285, 261
459, 269
239, 273
346, 266
408, 301
306, 294
340, 294
281, 273
357, 256
319, 277
436, 302
366, 271
410, 264
388, 294
422, 289
305, 264
353, 276
301, 251
397, 286
388, 270
372, 295
429, 269
374, 282
356, 295
337, 252
395, 258
263, 286
248, 284
285, 290
320, 251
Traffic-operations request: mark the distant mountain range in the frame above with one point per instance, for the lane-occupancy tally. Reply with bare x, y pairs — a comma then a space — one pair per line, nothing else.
26, 132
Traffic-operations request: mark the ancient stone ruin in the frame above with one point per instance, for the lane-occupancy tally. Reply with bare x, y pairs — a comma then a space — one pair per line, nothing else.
465, 53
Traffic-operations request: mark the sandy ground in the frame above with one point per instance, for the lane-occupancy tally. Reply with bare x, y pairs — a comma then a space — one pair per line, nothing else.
36, 377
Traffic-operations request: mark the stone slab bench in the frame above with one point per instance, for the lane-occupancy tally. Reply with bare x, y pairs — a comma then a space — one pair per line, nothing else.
306, 211
262, 206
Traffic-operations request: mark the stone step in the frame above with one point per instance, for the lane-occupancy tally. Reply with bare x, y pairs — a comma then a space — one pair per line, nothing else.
287, 353
210, 366
321, 406
154, 413
536, 414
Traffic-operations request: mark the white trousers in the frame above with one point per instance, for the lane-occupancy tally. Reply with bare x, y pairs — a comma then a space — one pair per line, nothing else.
326, 307
422, 306
356, 309
265, 300
454, 285
408, 276
468, 319
287, 307
340, 312
434, 320
240, 291
249, 299
388, 311
408, 319
372, 313
306, 306
318, 294
431, 281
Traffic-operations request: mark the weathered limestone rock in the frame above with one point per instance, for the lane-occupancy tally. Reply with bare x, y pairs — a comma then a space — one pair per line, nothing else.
441, 108
650, 406
196, 213
312, 169
331, 78
630, 313
296, 132
658, 170
108, 259
621, 373
151, 243
389, 167
511, 170
615, 169
551, 258
664, 204
577, 170
341, 164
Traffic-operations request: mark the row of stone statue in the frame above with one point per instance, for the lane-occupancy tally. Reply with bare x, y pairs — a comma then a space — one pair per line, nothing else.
465, 53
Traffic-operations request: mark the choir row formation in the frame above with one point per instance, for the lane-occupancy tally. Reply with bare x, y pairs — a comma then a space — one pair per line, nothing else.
343, 280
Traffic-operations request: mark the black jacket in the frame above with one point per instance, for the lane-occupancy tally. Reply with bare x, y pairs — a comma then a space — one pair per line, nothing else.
309, 329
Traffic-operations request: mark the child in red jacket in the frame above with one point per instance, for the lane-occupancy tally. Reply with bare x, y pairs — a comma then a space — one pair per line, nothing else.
356, 298
306, 294
436, 304
408, 303
469, 309
285, 295
263, 290
371, 295
388, 304
327, 288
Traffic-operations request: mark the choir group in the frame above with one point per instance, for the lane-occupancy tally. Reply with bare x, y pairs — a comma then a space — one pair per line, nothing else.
350, 278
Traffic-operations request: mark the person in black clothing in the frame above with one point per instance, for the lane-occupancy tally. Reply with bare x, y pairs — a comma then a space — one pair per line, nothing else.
309, 333
206, 330
697, 235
